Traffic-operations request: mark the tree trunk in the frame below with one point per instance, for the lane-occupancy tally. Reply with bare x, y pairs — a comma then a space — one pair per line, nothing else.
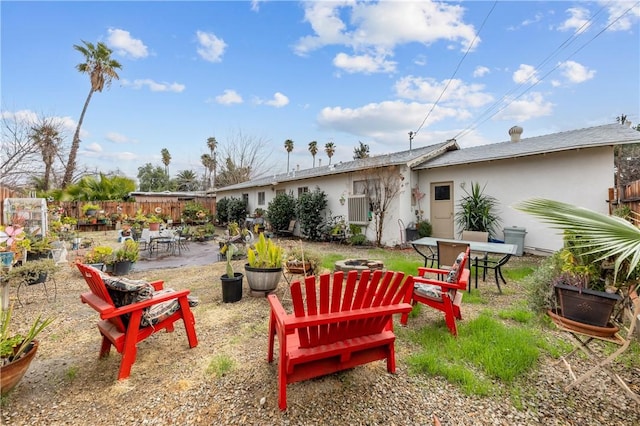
75, 145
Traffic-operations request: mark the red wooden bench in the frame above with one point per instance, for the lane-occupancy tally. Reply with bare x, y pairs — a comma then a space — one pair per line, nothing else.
445, 295
125, 326
337, 325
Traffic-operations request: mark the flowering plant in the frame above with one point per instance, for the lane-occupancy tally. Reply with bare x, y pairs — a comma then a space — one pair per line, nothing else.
9, 237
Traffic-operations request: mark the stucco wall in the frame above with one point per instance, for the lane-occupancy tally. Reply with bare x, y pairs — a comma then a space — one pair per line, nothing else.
579, 177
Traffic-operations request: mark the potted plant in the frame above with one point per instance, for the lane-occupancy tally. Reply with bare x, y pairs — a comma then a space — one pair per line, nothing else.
31, 272
301, 262
231, 281
265, 266
17, 350
477, 212
154, 222
605, 238
125, 257
99, 256
90, 209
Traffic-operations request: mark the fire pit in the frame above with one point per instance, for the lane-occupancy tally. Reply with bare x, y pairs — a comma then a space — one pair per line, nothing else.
358, 265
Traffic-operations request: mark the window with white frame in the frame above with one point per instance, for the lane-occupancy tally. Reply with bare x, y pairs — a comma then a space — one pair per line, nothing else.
302, 190
261, 198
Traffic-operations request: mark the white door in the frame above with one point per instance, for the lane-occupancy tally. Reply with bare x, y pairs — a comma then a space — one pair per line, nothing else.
441, 215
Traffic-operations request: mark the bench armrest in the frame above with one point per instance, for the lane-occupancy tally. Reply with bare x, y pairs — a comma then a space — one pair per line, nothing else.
108, 311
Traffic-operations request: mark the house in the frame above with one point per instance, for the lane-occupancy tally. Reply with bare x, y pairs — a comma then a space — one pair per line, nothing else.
574, 166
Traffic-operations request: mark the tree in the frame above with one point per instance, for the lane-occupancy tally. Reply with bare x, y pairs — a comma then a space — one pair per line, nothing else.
212, 143
208, 163
361, 151
166, 159
153, 178
101, 70
88, 188
245, 157
186, 180
46, 136
313, 149
288, 145
382, 187
330, 149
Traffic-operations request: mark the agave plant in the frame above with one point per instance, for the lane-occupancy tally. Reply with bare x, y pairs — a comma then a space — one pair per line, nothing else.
600, 234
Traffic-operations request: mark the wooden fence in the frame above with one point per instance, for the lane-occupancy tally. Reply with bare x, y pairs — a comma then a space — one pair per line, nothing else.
167, 209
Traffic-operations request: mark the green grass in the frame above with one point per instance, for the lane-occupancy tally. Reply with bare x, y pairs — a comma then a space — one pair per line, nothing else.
220, 365
487, 353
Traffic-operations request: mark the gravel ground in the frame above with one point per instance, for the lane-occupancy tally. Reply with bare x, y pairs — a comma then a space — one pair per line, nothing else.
171, 384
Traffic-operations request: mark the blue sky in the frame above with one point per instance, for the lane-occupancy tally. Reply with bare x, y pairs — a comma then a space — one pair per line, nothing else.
343, 71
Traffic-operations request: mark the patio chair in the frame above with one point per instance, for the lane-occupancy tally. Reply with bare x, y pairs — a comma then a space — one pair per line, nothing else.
447, 253
132, 310
287, 232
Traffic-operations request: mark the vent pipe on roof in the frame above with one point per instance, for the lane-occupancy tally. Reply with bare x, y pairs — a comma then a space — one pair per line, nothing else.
515, 133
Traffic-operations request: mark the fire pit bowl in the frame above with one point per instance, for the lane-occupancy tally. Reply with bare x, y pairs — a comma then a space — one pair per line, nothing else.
358, 265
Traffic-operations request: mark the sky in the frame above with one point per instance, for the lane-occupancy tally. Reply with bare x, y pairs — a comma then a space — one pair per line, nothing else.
341, 71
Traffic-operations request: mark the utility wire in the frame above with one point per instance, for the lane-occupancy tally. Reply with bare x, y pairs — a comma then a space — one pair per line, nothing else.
455, 71
479, 121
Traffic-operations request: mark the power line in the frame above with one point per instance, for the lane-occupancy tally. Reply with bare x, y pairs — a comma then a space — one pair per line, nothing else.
412, 135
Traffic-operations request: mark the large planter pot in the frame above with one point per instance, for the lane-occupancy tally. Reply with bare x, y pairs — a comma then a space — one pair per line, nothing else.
11, 374
231, 287
122, 268
262, 281
154, 227
584, 305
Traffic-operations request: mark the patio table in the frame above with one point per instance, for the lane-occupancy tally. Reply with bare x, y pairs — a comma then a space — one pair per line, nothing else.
426, 247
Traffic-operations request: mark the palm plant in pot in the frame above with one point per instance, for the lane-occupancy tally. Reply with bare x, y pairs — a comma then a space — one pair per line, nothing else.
265, 266
231, 281
125, 257
17, 350
99, 256
598, 239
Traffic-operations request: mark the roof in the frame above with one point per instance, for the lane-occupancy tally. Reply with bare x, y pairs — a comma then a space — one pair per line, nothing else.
409, 158
609, 134
169, 194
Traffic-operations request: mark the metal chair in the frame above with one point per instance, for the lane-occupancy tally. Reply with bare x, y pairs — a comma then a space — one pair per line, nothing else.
481, 237
448, 253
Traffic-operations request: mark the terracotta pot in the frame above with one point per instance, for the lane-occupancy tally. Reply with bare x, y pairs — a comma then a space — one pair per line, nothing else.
11, 374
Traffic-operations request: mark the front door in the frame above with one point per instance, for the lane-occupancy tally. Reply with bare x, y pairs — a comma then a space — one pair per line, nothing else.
441, 215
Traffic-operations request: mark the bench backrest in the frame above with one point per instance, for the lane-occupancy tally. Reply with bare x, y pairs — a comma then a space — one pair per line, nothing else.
333, 295
96, 284
475, 236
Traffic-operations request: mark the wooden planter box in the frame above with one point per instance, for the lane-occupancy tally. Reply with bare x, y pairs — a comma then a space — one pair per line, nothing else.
584, 305
297, 267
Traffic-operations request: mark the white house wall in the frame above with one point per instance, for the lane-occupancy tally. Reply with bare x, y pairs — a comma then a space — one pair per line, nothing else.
579, 177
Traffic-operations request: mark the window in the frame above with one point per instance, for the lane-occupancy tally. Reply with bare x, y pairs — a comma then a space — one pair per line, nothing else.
261, 198
280, 191
245, 200
442, 193
302, 190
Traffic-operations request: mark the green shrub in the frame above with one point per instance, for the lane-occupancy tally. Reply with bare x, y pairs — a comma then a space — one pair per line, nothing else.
357, 240
222, 213
424, 228
309, 209
281, 211
236, 210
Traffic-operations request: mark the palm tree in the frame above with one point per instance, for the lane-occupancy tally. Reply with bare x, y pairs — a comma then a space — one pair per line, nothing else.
212, 143
361, 152
187, 180
288, 145
330, 149
313, 149
606, 236
207, 162
102, 70
47, 138
166, 159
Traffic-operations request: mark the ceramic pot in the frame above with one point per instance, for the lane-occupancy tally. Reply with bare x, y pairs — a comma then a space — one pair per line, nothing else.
12, 373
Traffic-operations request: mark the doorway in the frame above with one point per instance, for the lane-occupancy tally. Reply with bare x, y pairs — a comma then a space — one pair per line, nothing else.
441, 211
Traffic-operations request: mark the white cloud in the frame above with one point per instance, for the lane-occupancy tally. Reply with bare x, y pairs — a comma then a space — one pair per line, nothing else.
229, 97
481, 71
279, 100
575, 72
618, 10
579, 16
29, 118
366, 64
525, 74
429, 90
153, 86
123, 44
94, 147
536, 18
211, 47
374, 29
529, 106
117, 138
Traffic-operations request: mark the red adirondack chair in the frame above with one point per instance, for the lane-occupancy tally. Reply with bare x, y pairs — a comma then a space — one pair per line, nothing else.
336, 326
445, 295
125, 326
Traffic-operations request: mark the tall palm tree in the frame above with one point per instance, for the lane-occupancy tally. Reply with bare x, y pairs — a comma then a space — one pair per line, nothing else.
288, 145
48, 140
212, 143
361, 151
313, 149
207, 162
330, 149
102, 70
166, 159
